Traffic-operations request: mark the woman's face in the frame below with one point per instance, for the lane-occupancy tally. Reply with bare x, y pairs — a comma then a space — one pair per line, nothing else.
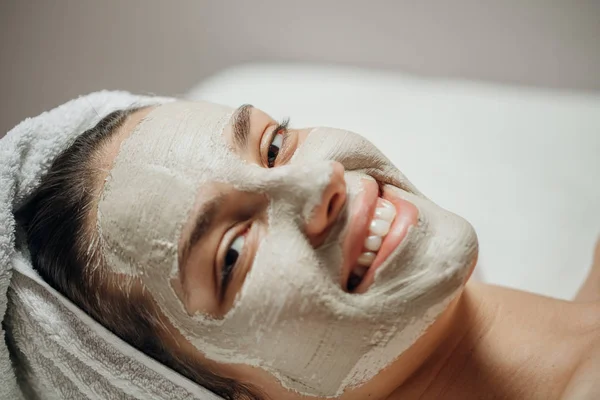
305, 253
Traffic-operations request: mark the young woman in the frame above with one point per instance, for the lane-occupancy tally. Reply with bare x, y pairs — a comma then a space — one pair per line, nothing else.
263, 261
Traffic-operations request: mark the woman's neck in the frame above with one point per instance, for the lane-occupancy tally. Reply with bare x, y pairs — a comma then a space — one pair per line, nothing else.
506, 344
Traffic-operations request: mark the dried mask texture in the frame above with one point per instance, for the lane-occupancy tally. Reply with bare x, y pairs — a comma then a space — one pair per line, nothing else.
292, 318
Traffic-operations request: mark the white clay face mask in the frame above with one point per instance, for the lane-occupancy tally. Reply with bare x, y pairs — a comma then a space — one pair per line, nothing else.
292, 316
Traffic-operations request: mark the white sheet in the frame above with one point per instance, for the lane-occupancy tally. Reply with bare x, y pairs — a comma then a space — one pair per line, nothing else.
522, 165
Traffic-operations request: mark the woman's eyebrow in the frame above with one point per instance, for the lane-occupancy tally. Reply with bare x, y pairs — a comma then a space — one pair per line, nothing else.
203, 221
241, 125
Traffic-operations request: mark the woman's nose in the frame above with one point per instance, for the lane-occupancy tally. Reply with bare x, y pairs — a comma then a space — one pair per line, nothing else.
325, 214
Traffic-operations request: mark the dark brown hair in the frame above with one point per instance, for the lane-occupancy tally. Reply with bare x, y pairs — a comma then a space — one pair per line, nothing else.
65, 250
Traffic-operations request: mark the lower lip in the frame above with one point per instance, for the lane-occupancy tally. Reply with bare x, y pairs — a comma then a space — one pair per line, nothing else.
406, 215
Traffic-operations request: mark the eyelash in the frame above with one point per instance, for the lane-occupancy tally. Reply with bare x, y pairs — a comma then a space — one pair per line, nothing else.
282, 128
227, 272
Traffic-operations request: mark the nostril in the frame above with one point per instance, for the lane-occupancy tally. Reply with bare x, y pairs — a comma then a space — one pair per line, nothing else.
332, 205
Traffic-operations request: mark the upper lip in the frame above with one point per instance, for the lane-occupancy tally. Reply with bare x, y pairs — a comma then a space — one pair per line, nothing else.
401, 183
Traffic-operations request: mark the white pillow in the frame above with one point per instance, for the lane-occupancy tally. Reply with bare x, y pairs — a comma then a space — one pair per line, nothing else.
522, 165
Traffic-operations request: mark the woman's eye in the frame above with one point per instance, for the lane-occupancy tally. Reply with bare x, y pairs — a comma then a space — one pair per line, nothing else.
231, 257
278, 141
274, 149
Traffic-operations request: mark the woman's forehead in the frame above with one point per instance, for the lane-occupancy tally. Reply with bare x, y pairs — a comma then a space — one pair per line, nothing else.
158, 171
170, 124
111, 148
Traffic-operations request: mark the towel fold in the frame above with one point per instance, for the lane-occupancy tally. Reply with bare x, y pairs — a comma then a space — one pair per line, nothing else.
54, 350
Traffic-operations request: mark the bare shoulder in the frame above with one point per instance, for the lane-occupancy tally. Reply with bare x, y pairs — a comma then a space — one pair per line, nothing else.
585, 382
590, 290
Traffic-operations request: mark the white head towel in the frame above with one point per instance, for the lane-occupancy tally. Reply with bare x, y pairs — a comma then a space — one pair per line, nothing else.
60, 351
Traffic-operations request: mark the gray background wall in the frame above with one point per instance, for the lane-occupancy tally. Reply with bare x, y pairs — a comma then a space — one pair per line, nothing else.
51, 51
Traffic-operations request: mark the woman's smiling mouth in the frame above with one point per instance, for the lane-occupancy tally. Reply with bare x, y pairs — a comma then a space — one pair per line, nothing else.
379, 222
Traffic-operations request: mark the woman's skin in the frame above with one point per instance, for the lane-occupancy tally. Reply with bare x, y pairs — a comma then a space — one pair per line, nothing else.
590, 290
508, 344
490, 343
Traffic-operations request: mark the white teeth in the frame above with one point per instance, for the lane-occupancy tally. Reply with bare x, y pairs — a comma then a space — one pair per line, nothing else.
360, 271
385, 213
379, 227
385, 203
366, 259
373, 243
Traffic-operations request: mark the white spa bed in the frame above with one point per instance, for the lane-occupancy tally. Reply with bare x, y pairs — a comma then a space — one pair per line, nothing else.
522, 165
